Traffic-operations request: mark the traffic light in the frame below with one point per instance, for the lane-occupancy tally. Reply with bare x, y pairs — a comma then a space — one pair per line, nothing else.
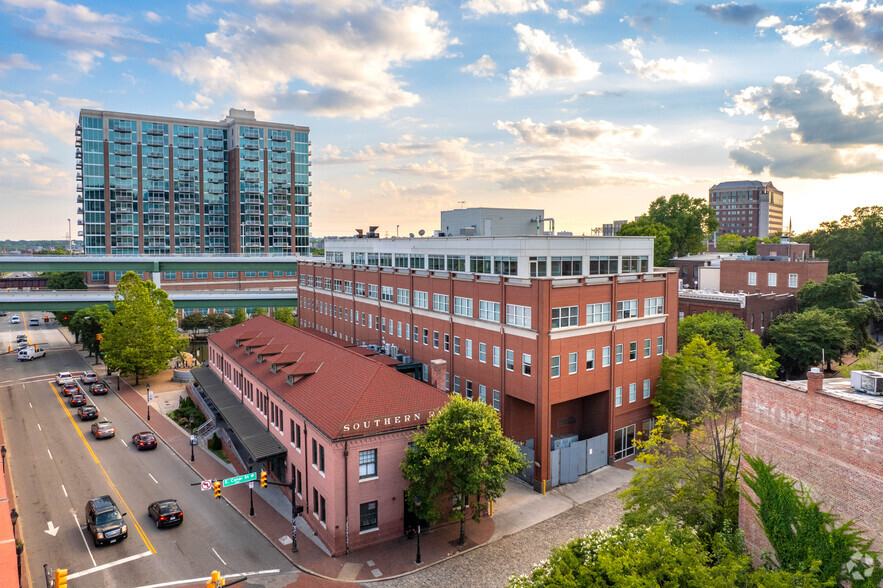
216, 581
263, 479
61, 578
99, 337
217, 489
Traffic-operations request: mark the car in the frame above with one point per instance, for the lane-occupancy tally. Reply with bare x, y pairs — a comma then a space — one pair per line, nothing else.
20, 338
63, 378
23, 345
33, 322
2, 313
77, 399
89, 378
30, 353
15, 319
69, 389
104, 521
145, 440
87, 412
103, 430
165, 513
98, 388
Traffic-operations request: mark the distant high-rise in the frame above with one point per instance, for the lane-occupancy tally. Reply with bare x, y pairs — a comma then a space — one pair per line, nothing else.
747, 208
159, 185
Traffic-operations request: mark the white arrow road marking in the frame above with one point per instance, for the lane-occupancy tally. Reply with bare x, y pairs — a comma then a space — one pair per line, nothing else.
52, 530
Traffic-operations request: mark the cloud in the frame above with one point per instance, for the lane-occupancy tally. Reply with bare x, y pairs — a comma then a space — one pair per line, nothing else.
769, 22
677, 70
565, 16
591, 8
340, 62
84, 59
199, 102
199, 11
118, 58
151, 16
549, 65
574, 134
483, 68
21, 117
74, 25
478, 8
732, 12
647, 16
15, 61
853, 26
826, 123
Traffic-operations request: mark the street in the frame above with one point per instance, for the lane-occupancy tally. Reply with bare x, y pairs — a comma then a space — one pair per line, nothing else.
57, 466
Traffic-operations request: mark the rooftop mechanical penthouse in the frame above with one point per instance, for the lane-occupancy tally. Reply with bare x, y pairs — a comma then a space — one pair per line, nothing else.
562, 335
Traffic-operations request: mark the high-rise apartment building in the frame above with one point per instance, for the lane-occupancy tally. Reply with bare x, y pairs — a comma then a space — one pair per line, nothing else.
159, 185
747, 208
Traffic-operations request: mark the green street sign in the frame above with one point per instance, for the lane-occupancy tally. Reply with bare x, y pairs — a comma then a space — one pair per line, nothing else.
239, 479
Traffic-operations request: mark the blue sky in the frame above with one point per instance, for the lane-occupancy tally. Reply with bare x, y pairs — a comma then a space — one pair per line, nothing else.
587, 109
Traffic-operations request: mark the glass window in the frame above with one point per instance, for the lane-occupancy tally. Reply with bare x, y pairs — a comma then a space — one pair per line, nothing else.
572, 363
468, 348
598, 313
367, 516
517, 315
626, 309
565, 316
435, 339
421, 299
556, 366
590, 359
496, 400
647, 347
646, 389
567, 266
525, 364
489, 311
468, 389
633, 351
440, 302
659, 346
496, 356
480, 264
633, 392
792, 280
217, 274
482, 393
654, 306
605, 356
771, 279
456, 384
172, 275
752, 278
368, 463
619, 353
510, 360
456, 345
482, 352
447, 342
462, 306
618, 396
403, 296
623, 442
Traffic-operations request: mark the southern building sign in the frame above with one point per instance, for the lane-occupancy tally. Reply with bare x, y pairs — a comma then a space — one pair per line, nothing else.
384, 423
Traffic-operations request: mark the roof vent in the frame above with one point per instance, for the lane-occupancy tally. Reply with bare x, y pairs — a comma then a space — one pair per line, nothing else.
867, 381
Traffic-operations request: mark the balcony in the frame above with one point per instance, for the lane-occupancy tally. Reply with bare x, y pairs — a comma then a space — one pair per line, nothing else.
187, 199
188, 167
185, 154
78, 142
80, 164
78, 154
187, 134
79, 198
215, 223
154, 176
124, 196
153, 131
126, 207
187, 177
250, 156
250, 134
156, 164
119, 128
215, 158
123, 140
78, 130
80, 221
252, 232
155, 141
123, 149
79, 233
279, 147
79, 187
156, 221
124, 162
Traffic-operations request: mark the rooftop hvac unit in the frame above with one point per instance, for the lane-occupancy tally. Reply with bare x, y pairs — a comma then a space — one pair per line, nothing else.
406, 359
867, 381
373, 347
392, 350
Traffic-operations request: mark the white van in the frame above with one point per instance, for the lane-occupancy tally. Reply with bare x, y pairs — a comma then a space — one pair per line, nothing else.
30, 353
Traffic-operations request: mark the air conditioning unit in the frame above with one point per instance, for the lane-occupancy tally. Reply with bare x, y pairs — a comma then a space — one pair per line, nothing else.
373, 347
392, 350
406, 359
867, 381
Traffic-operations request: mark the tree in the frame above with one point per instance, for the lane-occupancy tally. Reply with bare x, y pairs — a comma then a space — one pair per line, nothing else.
729, 334
65, 281
141, 337
803, 339
689, 222
867, 360
239, 316
461, 452
869, 271
217, 321
804, 537
730, 243
285, 314
193, 321
661, 242
260, 311
78, 322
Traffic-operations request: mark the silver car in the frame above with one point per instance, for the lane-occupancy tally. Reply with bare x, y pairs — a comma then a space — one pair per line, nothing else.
90, 378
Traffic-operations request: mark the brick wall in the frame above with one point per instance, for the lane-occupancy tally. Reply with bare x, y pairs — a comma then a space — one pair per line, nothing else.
832, 445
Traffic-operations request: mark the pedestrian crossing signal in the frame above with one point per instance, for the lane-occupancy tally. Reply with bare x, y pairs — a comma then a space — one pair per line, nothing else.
217, 489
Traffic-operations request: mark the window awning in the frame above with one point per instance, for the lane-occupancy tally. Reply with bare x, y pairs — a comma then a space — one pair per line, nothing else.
251, 431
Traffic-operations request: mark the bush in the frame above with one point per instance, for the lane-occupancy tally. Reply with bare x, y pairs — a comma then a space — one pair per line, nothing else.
185, 410
215, 443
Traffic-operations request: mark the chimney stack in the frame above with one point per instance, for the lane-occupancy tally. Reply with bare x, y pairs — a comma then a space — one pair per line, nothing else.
814, 381
438, 369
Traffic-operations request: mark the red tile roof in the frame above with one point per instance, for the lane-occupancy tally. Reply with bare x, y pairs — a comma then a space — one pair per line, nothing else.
333, 385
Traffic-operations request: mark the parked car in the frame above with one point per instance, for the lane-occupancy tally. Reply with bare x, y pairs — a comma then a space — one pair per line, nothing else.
63, 378
23, 344
33, 322
145, 440
103, 430
20, 338
89, 378
30, 353
2, 313
69, 389
87, 413
98, 388
15, 319
165, 513
104, 521
77, 399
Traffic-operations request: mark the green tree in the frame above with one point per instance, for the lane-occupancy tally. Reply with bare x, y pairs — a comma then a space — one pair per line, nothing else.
65, 281
803, 339
689, 222
804, 537
217, 321
193, 322
239, 316
869, 271
461, 452
845, 241
141, 337
729, 334
78, 323
285, 314
730, 243
867, 360
661, 242
260, 311
751, 245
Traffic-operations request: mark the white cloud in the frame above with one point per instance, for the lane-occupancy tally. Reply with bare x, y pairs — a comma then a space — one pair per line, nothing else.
577, 134
20, 117
74, 25
118, 58
565, 16
591, 8
484, 67
769, 22
339, 63
199, 11
153, 17
854, 26
486, 7
84, 59
15, 61
664, 69
550, 65
199, 102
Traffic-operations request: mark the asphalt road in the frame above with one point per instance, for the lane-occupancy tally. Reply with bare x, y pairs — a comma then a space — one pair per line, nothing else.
57, 466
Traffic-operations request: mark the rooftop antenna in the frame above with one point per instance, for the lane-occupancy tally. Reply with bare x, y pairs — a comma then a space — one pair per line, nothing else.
421, 232
462, 203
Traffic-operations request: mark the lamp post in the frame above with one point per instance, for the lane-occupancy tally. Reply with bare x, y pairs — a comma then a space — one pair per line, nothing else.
3, 457
14, 516
148, 401
417, 502
70, 238
250, 490
191, 437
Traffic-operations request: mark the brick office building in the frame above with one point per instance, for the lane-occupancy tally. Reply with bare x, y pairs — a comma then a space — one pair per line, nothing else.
332, 419
747, 208
562, 335
824, 434
757, 311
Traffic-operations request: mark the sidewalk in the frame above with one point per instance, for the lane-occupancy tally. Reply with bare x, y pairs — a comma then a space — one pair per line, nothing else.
518, 509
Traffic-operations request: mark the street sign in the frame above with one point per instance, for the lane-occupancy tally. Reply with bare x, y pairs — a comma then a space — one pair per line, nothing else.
239, 479
150, 396
251, 484
205, 485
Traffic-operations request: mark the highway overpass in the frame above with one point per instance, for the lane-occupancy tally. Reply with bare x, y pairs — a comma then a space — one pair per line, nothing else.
40, 300
149, 263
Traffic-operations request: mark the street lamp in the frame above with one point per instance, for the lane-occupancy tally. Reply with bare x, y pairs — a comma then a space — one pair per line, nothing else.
14, 516
148, 401
417, 503
250, 490
191, 437
3, 457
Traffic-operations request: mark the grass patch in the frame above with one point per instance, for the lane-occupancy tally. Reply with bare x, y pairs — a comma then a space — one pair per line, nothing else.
220, 453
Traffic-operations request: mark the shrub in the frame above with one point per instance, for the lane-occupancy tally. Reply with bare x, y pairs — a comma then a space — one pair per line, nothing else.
215, 443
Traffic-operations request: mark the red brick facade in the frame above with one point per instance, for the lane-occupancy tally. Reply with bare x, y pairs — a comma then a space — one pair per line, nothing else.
777, 277
830, 440
756, 310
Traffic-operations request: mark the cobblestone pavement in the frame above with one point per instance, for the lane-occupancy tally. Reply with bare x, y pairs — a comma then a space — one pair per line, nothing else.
493, 564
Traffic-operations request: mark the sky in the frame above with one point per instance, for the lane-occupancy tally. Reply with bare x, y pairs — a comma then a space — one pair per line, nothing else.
587, 109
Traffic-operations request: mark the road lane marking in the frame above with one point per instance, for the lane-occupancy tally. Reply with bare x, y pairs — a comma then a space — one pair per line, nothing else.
108, 565
31, 405
124, 443
50, 453
63, 489
70, 417
39, 428
83, 535
219, 557
152, 478
200, 580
